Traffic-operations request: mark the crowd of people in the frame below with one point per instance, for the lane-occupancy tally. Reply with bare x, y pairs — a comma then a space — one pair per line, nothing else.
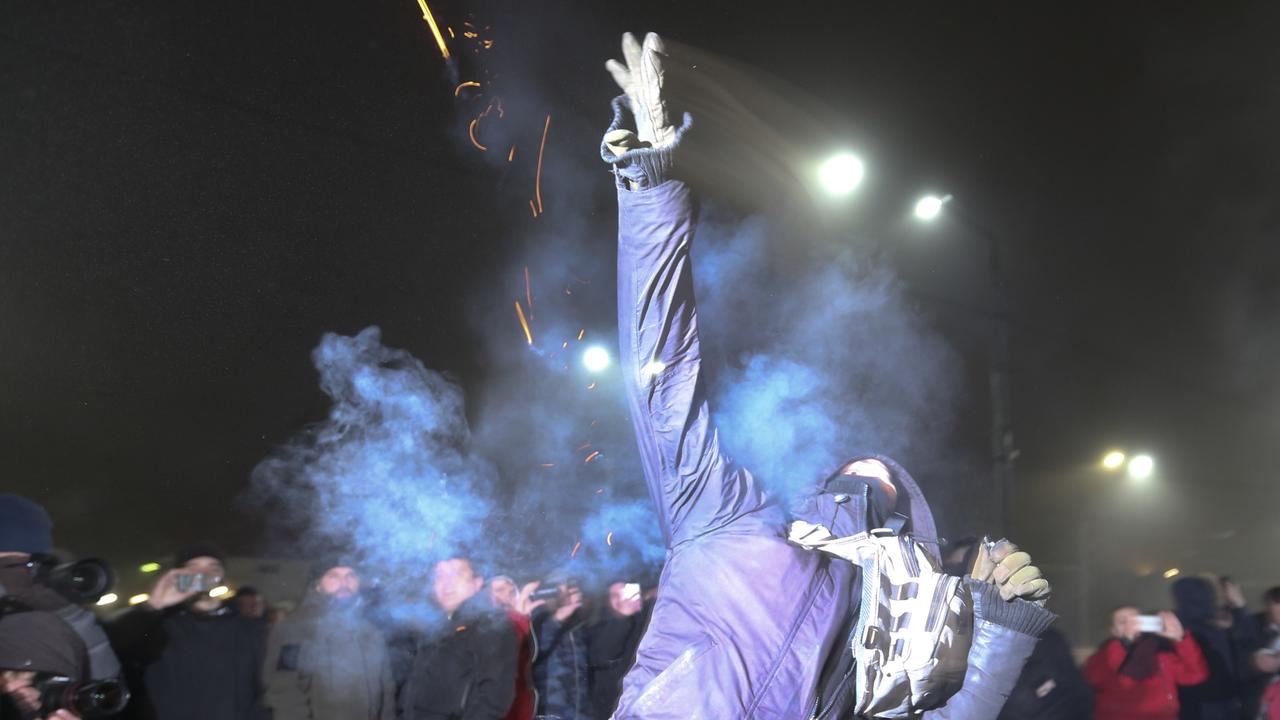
498, 650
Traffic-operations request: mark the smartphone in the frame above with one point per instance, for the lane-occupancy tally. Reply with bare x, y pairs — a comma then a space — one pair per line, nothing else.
631, 591
1150, 623
197, 582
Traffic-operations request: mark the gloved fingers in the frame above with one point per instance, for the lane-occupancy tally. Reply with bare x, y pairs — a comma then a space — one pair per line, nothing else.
631, 51
1024, 576
1002, 549
649, 88
620, 141
983, 565
1036, 590
620, 73
1009, 566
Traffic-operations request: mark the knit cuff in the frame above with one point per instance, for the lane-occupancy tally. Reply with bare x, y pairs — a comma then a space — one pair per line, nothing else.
643, 167
1017, 614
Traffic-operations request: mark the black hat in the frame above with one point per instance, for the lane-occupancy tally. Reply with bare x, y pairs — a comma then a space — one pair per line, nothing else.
24, 526
41, 642
196, 550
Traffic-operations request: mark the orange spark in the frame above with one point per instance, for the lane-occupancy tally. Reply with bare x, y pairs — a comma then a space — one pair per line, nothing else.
461, 628
467, 83
565, 345
511, 154
592, 386
576, 546
591, 457
451, 35
548, 465
470, 34
528, 293
524, 323
471, 133
537, 180
608, 539
599, 491
435, 29
582, 332
533, 208
584, 446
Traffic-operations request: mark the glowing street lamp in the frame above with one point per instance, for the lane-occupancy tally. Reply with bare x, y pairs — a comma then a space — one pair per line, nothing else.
139, 599
149, 567
107, 599
929, 207
1113, 460
1141, 467
595, 359
841, 174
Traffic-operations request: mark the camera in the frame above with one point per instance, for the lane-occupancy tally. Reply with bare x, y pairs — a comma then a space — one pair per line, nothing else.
80, 582
1150, 623
88, 699
547, 593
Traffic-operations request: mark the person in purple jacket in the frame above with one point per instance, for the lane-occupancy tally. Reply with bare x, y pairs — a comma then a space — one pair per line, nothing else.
744, 622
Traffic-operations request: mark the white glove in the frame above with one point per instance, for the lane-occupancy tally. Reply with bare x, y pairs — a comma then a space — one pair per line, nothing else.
641, 79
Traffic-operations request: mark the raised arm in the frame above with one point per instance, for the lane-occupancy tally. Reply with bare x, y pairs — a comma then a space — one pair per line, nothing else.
696, 488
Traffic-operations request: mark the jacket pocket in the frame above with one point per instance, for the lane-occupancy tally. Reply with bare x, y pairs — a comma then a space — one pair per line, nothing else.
676, 686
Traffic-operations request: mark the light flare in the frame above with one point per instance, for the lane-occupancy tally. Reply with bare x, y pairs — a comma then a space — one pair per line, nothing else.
471, 133
576, 546
465, 84
435, 29
524, 324
537, 178
528, 291
591, 457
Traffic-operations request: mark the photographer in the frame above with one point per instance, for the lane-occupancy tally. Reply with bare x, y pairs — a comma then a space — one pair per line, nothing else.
35, 648
561, 668
1136, 674
188, 658
30, 580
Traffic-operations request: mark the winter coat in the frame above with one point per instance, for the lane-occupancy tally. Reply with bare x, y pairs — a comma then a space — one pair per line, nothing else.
190, 666
744, 621
464, 668
1050, 687
1120, 697
560, 670
327, 662
611, 651
1227, 652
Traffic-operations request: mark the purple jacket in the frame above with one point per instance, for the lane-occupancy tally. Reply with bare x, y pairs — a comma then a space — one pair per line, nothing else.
744, 621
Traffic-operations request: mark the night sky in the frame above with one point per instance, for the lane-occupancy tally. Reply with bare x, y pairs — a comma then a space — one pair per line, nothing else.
193, 193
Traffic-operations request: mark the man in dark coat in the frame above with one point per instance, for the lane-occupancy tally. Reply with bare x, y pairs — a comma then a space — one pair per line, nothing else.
463, 668
326, 661
186, 657
612, 645
561, 667
1213, 612
1051, 686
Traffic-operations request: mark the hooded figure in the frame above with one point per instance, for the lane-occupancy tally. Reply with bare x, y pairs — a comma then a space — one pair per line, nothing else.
1226, 637
325, 661
745, 621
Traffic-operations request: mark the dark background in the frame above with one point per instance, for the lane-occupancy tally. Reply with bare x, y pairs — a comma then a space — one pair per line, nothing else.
193, 193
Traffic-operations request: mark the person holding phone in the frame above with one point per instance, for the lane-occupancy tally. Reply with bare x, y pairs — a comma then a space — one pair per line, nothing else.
1136, 672
186, 656
613, 644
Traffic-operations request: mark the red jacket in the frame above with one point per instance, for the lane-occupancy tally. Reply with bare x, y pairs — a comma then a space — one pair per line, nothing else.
1120, 697
526, 697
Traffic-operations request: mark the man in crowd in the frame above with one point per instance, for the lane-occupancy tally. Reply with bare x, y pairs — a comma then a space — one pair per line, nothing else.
1137, 675
560, 670
745, 622
1213, 611
35, 645
249, 603
186, 656
26, 552
612, 645
1265, 689
465, 666
326, 661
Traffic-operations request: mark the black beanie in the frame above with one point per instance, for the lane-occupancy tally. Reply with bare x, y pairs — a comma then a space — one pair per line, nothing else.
196, 550
41, 642
24, 526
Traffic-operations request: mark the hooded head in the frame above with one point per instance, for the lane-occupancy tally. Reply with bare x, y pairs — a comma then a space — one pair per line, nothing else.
25, 527
1195, 599
906, 497
41, 642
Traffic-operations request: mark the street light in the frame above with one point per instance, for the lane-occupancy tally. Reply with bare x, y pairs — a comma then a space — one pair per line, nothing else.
1113, 460
595, 359
1141, 467
929, 207
841, 174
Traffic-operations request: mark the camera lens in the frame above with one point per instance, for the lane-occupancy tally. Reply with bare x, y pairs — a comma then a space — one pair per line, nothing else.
100, 698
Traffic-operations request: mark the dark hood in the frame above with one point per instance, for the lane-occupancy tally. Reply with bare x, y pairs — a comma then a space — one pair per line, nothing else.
1195, 600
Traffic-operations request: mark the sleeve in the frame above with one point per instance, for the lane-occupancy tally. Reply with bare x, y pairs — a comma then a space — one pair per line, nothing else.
1004, 636
495, 681
695, 487
138, 636
284, 687
1189, 666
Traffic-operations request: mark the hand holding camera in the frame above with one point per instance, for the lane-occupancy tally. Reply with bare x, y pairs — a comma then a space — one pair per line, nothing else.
175, 587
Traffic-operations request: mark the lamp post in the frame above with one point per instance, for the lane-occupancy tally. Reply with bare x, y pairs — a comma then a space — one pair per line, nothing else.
1003, 451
